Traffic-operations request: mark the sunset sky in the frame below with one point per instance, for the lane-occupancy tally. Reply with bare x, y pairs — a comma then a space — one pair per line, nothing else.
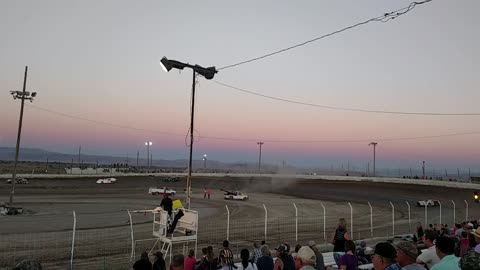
99, 60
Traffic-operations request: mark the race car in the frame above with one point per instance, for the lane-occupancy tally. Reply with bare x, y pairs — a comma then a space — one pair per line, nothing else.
18, 181
428, 203
171, 179
161, 191
106, 181
234, 195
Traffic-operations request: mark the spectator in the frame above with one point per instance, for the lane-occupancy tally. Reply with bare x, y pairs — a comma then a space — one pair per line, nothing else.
306, 259
159, 263
407, 254
445, 247
340, 236
189, 262
349, 261
209, 262
297, 248
360, 253
266, 261
205, 192
144, 263
463, 227
419, 230
177, 262
209, 192
429, 257
384, 257
470, 261
256, 253
246, 265
476, 234
319, 263
284, 261
464, 243
227, 254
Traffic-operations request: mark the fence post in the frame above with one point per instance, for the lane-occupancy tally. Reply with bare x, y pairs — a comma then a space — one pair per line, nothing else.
73, 238
324, 222
296, 222
132, 255
466, 210
409, 220
440, 205
228, 222
351, 220
426, 220
371, 219
454, 219
266, 219
393, 219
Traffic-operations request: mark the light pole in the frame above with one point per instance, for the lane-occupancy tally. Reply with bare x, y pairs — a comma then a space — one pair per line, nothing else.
205, 161
148, 144
260, 155
208, 73
23, 95
374, 147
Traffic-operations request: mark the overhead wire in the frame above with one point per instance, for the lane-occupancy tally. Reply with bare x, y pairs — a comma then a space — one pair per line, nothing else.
384, 18
254, 140
256, 93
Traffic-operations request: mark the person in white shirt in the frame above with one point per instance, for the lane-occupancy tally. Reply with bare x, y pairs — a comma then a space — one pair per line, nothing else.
429, 257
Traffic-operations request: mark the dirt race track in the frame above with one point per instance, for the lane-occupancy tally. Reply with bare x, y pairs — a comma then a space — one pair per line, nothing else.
103, 240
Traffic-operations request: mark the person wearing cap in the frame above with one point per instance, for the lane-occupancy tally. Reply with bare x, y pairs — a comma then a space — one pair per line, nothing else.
319, 263
284, 261
266, 261
384, 257
470, 261
476, 234
429, 256
445, 247
306, 259
407, 254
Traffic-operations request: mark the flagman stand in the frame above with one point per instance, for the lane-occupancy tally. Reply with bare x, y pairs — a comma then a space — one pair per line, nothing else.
167, 232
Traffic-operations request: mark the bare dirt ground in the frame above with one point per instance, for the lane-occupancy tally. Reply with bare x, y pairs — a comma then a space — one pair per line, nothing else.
103, 233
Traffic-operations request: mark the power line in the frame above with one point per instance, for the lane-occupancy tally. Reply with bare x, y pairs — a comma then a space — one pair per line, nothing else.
256, 140
384, 18
343, 108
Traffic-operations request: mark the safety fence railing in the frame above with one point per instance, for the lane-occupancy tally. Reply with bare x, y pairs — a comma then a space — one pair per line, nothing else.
80, 244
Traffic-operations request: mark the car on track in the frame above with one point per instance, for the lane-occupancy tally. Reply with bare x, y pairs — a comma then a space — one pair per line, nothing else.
428, 203
171, 179
234, 195
110, 180
18, 180
161, 191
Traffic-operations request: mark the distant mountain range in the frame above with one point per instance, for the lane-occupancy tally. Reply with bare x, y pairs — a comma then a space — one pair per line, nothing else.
40, 155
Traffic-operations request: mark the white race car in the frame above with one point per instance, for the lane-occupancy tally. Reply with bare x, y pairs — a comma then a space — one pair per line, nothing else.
235, 195
106, 181
428, 203
161, 191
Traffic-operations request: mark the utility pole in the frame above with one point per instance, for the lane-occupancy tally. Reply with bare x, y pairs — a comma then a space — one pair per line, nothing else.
138, 153
374, 147
148, 144
46, 166
71, 168
23, 95
79, 151
260, 155
423, 169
